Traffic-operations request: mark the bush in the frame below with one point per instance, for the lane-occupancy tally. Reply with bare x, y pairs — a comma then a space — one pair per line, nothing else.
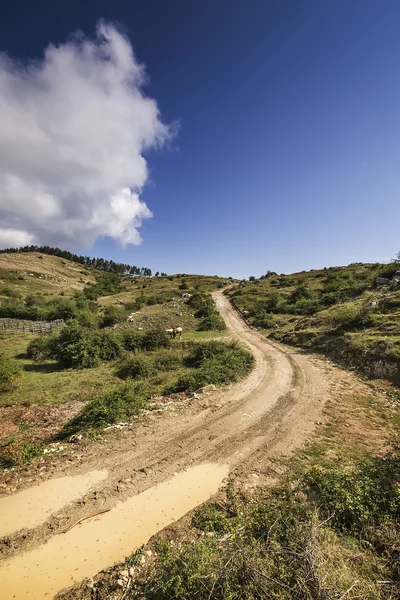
42, 348
167, 361
357, 500
140, 366
214, 363
9, 372
212, 322
149, 364
132, 341
110, 345
264, 320
77, 347
156, 338
112, 316
118, 404
347, 315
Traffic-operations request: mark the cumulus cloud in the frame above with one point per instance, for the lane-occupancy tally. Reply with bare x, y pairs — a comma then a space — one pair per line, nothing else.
73, 130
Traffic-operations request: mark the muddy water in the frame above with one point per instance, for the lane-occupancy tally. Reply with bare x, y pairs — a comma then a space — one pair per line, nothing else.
33, 506
108, 538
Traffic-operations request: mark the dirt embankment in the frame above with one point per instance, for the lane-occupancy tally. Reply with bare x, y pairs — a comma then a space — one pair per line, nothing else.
246, 428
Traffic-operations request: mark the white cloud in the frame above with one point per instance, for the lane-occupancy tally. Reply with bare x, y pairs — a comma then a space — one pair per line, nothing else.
73, 129
14, 237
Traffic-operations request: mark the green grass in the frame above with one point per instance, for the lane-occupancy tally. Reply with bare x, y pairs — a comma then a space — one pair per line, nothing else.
113, 406
45, 384
337, 311
313, 536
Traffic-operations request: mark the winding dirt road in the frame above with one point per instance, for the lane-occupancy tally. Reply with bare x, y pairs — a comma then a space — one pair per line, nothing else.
246, 428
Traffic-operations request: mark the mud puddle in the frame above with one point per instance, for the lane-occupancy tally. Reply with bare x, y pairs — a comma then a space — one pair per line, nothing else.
108, 538
33, 506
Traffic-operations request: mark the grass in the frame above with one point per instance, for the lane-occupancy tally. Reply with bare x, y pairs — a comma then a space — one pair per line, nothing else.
113, 406
32, 273
163, 371
317, 535
331, 525
79, 366
46, 384
338, 311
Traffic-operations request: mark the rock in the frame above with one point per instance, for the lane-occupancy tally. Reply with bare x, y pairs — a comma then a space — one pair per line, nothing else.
142, 560
131, 572
148, 553
121, 583
124, 574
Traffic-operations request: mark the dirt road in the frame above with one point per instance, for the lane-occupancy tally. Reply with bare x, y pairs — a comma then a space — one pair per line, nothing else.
245, 429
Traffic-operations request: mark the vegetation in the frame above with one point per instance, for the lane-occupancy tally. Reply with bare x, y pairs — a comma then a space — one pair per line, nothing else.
95, 263
210, 318
340, 311
9, 372
213, 363
315, 536
113, 406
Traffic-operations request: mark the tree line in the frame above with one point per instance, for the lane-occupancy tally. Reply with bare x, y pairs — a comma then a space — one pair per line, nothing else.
96, 263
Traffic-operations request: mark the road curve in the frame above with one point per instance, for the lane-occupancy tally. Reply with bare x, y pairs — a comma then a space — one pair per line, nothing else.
261, 419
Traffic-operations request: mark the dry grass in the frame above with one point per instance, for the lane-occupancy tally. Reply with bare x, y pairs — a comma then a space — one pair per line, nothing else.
31, 273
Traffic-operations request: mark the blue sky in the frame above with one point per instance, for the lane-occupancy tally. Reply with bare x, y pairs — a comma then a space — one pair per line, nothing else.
287, 151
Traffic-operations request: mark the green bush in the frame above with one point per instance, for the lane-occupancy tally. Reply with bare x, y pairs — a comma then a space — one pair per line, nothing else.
110, 345
213, 363
346, 315
77, 347
167, 360
156, 338
149, 364
9, 372
139, 366
118, 404
212, 322
264, 320
132, 341
42, 348
113, 316
354, 500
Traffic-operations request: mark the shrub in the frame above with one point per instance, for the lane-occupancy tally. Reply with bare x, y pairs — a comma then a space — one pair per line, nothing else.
356, 500
118, 404
10, 293
264, 320
212, 322
110, 345
77, 347
167, 361
214, 363
140, 366
156, 338
347, 315
42, 348
132, 341
9, 372
112, 316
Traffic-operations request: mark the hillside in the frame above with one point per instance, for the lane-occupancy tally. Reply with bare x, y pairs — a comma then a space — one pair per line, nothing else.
160, 421
31, 273
108, 318
348, 313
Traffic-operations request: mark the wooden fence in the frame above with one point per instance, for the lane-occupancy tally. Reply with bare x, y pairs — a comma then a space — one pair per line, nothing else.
16, 326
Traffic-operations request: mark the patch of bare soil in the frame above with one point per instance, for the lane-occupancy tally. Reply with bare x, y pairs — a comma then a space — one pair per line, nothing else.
251, 427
